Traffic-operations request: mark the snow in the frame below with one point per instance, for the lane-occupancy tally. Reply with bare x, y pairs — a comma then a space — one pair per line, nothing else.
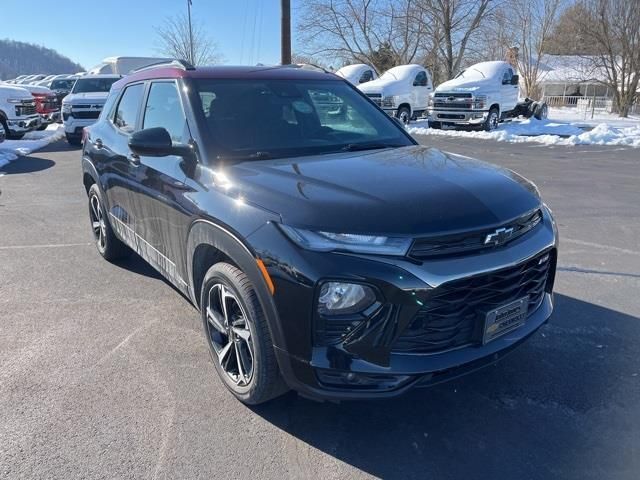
12, 149
561, 128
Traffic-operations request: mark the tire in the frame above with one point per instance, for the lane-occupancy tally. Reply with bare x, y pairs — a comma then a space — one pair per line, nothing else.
43, 127
243, 353
3, 132
491, 123
108, 245
74, 140
7, 134
542, 111
436, 125
404, 115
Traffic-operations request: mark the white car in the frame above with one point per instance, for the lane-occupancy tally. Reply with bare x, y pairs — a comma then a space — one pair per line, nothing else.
401, 91
358, 73
83, 105
482, 95
17, 112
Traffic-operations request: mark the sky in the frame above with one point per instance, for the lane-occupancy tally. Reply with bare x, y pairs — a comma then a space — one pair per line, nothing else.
86, 31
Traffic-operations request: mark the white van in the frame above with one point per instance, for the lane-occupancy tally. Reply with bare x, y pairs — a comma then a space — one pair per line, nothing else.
358, 73
124, 65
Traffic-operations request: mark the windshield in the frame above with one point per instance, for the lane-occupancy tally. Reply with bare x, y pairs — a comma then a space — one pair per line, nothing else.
64, 84
471, 74
84, 85
283, 118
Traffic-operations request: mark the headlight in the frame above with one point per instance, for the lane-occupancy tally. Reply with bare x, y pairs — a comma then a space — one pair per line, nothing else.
388, 102
328, 241
430, 104
337, 298
66, 108
15, 100
480, 102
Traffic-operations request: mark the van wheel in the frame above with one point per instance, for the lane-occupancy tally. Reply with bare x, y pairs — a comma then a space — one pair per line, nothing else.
542, 111
238, 336
491, 123
3, 132
404, 115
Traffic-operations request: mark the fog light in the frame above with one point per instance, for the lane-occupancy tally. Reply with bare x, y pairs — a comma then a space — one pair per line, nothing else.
337, 298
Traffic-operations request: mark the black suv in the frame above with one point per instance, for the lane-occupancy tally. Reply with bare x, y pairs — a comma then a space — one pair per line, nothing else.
326, 250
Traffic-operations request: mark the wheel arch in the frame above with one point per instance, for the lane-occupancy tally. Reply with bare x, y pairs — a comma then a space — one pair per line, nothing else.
89, 175
496, 106
209, 243
408, 105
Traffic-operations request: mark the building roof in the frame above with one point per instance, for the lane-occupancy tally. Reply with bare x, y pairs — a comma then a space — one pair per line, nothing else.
570, 68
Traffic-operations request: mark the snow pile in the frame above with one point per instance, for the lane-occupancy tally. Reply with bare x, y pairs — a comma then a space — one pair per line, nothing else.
547, 132
32, 141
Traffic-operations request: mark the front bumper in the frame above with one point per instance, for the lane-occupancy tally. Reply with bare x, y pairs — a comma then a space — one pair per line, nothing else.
377, 370
50, 117
24, 124
458, 117
73, 126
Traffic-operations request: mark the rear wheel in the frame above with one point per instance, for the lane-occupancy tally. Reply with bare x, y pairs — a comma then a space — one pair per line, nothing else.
108, 245
3, 132
43, 126
542, 111
404, 115
238, 336
491, 123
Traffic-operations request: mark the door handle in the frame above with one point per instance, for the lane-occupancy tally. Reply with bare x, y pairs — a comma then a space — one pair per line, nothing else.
98, 143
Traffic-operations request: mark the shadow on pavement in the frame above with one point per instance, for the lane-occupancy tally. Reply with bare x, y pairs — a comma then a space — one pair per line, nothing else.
564, 405
27, 164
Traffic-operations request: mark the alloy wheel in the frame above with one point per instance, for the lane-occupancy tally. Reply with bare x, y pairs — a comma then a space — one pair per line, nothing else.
493, 121
229, 334
97, 222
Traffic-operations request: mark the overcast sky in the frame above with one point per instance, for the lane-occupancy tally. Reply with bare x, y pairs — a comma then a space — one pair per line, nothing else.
246, 31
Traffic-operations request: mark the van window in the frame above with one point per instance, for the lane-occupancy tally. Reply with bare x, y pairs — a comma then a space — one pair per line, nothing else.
366, 76
506, 78
421, 79
127, 111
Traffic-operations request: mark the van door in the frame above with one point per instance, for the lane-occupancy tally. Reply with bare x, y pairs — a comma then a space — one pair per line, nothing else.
420, 91
508, 92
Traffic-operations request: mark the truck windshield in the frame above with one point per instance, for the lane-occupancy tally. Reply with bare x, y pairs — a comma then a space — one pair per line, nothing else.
84, 85
259, 119
64, 84
471, 74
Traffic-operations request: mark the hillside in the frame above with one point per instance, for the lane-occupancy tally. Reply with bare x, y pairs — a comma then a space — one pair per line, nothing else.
18, 58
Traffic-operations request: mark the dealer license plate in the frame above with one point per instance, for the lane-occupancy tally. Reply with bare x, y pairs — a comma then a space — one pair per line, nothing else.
505, 319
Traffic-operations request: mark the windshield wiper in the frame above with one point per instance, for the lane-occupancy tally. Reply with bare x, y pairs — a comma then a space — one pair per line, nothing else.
261, 155
354, 147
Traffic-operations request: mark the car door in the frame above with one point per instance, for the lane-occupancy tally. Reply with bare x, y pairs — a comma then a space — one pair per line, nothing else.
161, 219
508, 92
421, 90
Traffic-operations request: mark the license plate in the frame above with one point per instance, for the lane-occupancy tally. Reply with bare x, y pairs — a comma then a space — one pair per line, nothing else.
504, 319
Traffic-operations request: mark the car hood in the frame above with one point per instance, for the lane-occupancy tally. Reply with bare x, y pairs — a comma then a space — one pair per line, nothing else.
97, 97
411, 190
386, 87
11, 91
466, 85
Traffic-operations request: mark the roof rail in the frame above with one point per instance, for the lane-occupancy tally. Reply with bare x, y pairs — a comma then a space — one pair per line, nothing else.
179, 63
306, 66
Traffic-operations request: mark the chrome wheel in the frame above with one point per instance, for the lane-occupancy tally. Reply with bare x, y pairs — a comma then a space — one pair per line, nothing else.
97, 222
229, 333
492, 121
3, 133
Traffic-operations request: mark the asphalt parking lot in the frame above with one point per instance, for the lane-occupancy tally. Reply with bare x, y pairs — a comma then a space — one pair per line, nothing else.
104, 371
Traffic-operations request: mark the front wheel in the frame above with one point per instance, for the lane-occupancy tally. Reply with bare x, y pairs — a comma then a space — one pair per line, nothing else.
238, 336
491, 123
404, 115
3, 132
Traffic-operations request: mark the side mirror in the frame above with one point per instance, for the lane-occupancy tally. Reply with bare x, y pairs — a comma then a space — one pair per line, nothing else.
515, 79
156, 142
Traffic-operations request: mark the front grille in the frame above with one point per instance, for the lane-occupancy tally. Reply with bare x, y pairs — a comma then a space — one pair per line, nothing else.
457, 101
376, 97
469, 242
85, 115
453, 315
25, 109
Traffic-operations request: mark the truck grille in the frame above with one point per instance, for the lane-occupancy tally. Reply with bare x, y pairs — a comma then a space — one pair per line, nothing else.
25, 109
376, 97
469, 242
85, 115
457, 101
453, 316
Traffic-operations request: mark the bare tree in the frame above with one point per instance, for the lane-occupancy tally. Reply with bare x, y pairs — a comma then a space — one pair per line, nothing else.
382, 33
454, 25
613, 28
173, 36
533, 22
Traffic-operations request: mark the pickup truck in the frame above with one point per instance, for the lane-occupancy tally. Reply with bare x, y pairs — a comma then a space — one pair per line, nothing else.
83, 105
17, 111
402, 92
482, 95
357, 73
47, 105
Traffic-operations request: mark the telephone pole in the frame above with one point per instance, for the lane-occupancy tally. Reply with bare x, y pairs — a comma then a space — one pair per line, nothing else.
192, 60
285, 33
